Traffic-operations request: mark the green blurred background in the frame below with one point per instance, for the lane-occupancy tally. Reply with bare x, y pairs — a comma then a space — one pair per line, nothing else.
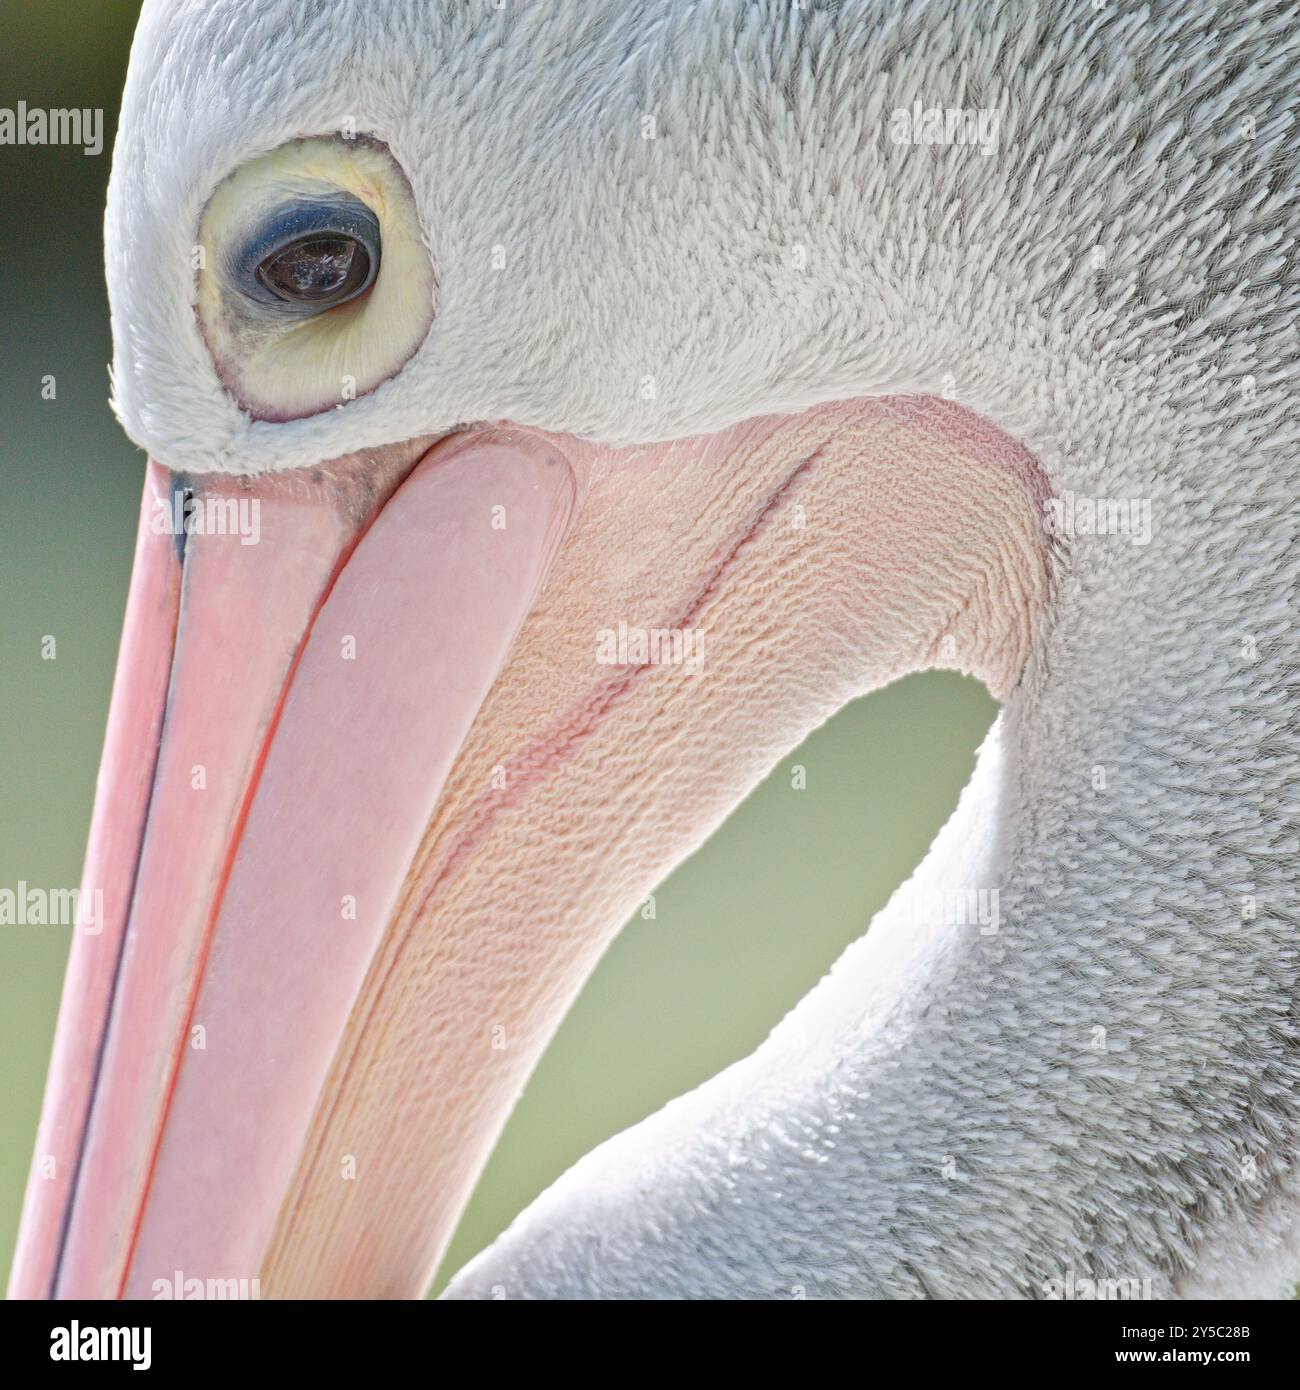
743, 929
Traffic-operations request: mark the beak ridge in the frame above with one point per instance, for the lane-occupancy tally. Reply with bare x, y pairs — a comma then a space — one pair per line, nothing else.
284, 716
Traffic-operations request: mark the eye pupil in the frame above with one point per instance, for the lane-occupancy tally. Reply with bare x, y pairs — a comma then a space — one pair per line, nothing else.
319, 270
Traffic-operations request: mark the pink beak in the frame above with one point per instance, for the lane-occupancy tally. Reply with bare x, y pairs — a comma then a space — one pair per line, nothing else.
290, 697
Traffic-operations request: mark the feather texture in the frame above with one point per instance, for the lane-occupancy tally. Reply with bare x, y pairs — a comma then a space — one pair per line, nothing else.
707, 196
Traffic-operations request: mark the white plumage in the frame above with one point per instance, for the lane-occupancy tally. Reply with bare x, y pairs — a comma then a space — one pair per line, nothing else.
1116, 287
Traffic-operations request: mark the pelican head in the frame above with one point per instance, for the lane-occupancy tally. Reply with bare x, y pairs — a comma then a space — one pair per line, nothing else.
553, 414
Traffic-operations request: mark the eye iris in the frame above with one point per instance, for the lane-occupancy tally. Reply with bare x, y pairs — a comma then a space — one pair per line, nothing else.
316, 270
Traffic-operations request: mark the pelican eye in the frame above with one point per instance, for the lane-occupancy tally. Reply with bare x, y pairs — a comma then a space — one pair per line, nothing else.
294, 305
319, 270
314, 253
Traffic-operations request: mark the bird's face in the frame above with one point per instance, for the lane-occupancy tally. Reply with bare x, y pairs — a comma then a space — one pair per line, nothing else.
471, 593
534, 255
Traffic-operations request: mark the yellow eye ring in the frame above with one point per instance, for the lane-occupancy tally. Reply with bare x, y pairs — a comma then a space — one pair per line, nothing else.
314, 283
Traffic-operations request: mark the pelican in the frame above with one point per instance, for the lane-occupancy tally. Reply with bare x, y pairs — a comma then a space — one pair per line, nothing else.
619, 391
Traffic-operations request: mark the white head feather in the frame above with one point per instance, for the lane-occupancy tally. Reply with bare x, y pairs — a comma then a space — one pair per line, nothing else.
938, 1118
